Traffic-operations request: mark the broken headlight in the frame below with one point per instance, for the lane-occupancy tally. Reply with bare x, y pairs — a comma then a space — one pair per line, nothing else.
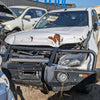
71, 60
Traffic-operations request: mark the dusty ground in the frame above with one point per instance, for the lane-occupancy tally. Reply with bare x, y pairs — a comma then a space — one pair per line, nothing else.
29, 93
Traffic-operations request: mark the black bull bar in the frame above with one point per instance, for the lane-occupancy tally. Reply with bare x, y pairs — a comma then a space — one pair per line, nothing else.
49, 74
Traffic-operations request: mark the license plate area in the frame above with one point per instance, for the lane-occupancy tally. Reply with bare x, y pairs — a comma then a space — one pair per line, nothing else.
30, 75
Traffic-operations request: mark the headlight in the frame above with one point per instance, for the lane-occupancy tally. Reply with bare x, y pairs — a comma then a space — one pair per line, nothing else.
62, 77
2, 49
71, 60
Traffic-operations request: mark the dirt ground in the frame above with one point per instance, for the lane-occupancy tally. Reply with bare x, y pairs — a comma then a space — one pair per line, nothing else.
29, 93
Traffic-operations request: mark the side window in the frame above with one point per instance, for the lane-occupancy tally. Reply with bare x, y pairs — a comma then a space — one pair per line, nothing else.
39, 12
30, 12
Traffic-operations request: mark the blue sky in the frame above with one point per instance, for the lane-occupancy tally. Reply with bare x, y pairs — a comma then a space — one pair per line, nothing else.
81, 3
84, 3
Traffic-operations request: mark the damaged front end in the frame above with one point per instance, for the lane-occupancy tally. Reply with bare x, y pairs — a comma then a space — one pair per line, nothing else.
3, 32
5, 15
39, 65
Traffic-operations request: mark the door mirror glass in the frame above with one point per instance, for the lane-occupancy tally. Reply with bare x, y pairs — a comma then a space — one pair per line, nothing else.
27, 17
95, 26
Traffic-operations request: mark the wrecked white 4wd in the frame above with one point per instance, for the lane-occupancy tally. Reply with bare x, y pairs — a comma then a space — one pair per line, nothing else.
61, 49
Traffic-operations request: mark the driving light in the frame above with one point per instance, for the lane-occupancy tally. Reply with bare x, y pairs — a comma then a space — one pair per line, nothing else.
83, 75
62, 77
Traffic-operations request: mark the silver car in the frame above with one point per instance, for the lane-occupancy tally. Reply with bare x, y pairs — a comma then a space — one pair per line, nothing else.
5, 92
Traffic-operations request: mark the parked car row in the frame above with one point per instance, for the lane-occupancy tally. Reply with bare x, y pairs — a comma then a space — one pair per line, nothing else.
14, 19
60, 51
18, 18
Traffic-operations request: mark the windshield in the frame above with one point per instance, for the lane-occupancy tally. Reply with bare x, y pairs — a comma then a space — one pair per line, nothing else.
17, 11
63, 19
5, 15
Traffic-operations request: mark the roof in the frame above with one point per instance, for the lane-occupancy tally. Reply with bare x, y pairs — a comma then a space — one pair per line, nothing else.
71, 9
25, 7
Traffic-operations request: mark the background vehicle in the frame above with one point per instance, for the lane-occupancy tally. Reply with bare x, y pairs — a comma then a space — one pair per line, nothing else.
61, 51
5, 92
18, 18
97, 8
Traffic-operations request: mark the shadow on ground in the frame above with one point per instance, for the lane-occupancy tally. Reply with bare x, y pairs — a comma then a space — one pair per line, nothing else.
93, 95
16, 91
25, 93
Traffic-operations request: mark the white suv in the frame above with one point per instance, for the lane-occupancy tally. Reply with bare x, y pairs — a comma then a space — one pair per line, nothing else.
18, 18
60, 52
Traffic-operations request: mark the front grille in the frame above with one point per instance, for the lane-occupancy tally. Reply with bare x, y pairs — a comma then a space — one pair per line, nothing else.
26, 64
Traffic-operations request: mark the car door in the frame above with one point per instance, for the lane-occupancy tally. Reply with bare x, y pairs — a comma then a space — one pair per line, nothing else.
35, 16
27, 23
95, 20
38, 13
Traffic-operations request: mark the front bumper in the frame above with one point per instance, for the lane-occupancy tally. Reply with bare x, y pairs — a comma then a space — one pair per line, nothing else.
38, 74
75, 78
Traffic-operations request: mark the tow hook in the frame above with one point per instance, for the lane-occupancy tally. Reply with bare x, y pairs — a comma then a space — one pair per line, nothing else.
61, 93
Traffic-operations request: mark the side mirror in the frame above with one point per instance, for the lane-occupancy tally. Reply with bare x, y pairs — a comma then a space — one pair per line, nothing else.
27, 17
95, 26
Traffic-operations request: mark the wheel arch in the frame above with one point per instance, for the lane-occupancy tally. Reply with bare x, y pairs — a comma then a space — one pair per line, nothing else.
17, 28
